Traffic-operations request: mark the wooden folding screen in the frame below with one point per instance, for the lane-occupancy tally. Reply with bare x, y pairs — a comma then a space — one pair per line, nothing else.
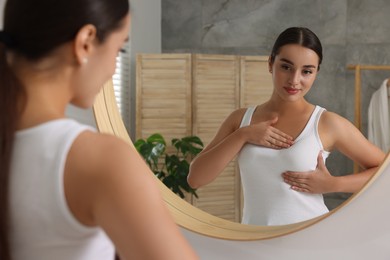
163, 101
191, 94
215, 96
255, 81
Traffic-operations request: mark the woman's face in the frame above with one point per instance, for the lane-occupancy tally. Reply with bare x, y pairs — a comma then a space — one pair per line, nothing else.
294, 71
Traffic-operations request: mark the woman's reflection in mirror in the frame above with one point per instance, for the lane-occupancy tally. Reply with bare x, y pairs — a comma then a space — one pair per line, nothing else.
282, 144
66, 191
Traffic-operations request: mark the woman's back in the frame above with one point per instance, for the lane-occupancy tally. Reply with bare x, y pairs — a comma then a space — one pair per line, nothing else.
60, 186
42, 226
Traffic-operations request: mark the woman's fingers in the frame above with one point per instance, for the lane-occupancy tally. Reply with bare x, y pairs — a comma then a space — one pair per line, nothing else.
280, 140
266, 135
273, 143
301, 189
282, 134
297, 183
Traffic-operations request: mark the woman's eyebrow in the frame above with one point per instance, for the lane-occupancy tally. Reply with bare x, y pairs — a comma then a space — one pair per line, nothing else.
287, 61
292, 63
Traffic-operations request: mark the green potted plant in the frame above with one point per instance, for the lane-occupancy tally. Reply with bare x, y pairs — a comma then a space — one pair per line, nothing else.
171, 169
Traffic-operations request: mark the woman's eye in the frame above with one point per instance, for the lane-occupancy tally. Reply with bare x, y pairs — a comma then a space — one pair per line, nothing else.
122, 50
306, 72
285, 67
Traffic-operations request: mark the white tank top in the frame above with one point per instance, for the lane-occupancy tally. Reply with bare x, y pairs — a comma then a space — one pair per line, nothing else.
267, 199
42, 226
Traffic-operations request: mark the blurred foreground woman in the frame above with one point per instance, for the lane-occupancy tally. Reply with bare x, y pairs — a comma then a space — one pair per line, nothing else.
68, 192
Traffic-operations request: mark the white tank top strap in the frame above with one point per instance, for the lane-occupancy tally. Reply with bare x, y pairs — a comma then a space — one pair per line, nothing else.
246, 119
319, 111
317, 120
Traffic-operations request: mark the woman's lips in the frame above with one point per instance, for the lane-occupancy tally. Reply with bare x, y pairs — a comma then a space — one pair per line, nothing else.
291, 91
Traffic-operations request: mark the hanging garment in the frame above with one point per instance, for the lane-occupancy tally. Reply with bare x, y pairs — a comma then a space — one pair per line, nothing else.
379, 118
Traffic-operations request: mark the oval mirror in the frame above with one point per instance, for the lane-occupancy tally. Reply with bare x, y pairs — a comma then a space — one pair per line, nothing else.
108, 120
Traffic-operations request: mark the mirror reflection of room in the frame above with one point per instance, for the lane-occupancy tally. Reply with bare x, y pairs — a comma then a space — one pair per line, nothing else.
217, 33
287, 139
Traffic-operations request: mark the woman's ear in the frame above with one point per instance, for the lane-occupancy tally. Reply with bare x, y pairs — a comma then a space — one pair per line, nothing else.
84, 43
270, 64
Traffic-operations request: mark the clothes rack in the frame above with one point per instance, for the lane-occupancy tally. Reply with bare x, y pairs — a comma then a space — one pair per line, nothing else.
357, 109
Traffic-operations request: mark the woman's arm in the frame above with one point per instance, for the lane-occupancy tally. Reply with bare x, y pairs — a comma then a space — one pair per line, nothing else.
338, 133
108, 184
209, 163
228, 141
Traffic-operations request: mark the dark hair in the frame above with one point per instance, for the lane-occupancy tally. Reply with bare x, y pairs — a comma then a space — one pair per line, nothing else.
32, 29
297, 35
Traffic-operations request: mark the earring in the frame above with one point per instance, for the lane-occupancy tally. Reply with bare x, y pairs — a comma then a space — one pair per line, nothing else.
85, 60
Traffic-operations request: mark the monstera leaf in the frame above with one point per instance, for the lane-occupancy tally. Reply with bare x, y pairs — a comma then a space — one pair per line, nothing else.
171, 169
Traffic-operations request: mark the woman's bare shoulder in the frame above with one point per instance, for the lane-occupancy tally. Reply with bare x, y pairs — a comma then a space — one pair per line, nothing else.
331, 128
114, 188
234, 119
333, 121
98, 154
238, 112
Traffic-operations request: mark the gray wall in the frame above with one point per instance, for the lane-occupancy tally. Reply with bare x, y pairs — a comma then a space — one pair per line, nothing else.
145, 37
2, 2
354, 31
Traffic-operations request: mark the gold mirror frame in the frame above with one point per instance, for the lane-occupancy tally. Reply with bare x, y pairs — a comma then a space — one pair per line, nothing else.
108, 120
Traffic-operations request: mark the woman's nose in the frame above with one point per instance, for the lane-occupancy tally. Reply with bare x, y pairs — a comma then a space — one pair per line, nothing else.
294, 79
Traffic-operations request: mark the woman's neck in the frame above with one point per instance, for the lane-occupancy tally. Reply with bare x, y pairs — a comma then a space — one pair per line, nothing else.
283, 107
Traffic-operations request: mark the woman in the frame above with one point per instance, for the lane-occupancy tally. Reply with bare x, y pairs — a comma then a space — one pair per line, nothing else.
68, 192
282, 144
